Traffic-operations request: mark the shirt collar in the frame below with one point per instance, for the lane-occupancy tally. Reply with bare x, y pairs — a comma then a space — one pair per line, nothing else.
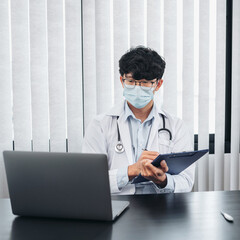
128, 112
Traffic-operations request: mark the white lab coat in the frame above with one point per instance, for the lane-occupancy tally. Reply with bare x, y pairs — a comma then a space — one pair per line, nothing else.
101, 137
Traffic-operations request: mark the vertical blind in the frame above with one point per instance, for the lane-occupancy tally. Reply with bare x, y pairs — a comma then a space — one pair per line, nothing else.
203, 92
235, 131
59, 68
38, 75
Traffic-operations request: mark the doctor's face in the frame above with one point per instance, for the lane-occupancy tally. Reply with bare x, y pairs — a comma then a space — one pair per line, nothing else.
139, 93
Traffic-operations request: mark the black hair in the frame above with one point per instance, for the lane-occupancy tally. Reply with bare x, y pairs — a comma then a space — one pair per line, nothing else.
142, 63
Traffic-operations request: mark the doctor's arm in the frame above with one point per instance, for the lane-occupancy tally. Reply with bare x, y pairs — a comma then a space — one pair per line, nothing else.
94, 142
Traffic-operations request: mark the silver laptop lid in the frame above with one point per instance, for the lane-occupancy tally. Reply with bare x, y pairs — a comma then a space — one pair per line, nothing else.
61, 185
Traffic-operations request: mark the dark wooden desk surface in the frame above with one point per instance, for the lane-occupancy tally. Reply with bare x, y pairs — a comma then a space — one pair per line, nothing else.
166, 216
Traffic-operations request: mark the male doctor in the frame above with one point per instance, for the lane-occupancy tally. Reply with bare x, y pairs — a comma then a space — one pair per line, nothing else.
129, 134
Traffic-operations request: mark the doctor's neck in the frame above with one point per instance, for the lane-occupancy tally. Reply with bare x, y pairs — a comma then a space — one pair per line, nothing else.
141, 113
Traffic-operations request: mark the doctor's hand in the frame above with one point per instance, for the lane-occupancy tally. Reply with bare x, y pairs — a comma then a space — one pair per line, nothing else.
152, 173
136, 168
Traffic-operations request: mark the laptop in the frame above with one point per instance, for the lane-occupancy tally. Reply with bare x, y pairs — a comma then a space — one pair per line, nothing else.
60, 185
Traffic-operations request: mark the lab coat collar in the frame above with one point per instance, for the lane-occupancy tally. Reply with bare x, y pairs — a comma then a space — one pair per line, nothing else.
127, 111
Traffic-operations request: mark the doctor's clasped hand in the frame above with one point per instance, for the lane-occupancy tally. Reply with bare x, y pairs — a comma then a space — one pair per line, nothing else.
147, 170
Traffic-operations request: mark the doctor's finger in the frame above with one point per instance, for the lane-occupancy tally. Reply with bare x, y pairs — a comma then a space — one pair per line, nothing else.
147, 162
153, 172
149, 174
145, 165
143, 162
148, 158
144, 172
151, 153
164, 166
151, 168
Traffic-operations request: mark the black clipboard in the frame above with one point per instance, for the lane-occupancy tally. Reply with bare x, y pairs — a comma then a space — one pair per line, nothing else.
176, 162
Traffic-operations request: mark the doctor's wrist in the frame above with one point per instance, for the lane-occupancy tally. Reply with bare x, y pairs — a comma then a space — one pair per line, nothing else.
133, 171
163, 183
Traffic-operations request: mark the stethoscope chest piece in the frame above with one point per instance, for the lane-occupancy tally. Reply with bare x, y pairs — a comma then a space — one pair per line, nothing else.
119, 147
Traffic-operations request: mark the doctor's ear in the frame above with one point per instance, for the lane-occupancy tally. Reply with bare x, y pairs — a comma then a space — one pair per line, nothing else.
121, 81
159, 84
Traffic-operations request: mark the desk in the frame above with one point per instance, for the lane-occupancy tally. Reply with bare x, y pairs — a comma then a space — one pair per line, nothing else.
177, 216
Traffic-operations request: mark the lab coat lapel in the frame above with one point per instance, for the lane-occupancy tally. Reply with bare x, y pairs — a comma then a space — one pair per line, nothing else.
153, 138
125, 137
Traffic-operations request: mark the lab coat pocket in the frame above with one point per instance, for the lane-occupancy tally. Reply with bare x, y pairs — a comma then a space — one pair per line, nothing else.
165, 146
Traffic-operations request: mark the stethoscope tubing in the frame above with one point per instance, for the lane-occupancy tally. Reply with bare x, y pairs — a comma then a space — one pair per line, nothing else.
164, 128
119, 148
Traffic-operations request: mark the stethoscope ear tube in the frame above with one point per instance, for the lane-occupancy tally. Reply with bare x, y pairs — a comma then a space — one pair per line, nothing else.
164, 128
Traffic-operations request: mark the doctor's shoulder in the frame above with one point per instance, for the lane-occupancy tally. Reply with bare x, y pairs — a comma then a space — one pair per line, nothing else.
105, 123
100, 123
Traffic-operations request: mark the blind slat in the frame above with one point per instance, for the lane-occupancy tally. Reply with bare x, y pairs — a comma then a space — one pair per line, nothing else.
188, 79
220, 92
155, 25
137, 23
89, 61
56, 76
121, 45
5, 92
188, 66
21, 75
39, 75
170, 54
74, 75
203, 111
155, 34
103, 57
235, 120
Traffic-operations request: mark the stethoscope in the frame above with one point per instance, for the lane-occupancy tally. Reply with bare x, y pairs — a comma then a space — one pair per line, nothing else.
119, 148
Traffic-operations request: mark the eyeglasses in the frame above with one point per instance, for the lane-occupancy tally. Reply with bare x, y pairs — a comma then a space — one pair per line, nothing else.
145, 85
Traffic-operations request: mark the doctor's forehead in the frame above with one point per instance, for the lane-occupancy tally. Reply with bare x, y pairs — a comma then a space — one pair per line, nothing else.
128, 75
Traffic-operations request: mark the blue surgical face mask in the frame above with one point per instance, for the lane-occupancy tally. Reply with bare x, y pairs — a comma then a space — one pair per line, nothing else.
138, 97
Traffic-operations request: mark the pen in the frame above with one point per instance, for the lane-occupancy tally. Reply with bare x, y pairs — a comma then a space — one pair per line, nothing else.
227, 217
